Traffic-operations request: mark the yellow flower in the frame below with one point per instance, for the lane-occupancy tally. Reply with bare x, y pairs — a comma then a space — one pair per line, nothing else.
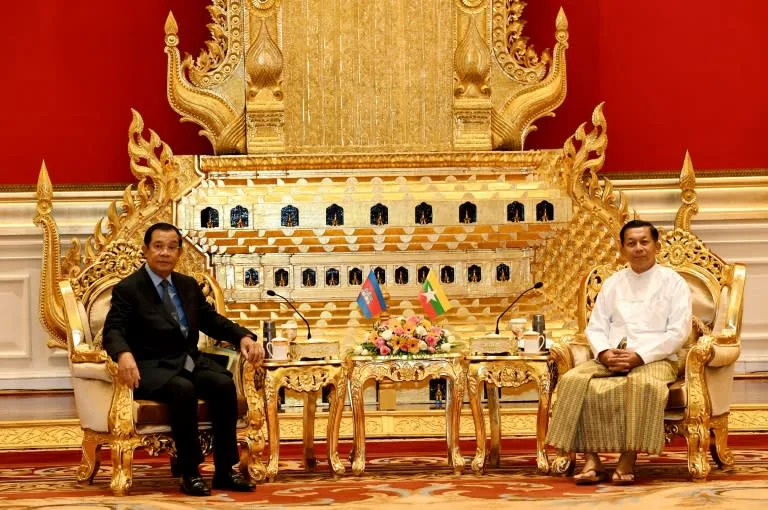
397, 343
426, 323
412, 346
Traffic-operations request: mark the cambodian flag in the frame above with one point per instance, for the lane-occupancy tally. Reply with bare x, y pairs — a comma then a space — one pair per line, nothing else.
370, 300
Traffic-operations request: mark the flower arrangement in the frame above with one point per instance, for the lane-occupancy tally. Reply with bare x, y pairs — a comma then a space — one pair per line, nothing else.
401, 336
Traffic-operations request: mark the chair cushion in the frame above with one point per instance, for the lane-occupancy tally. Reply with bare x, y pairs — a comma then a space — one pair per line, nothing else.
150, 412
97, 313
704, 302
677, 395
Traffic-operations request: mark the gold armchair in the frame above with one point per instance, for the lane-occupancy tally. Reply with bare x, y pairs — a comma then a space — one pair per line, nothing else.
700, 399
75, 295
108, 413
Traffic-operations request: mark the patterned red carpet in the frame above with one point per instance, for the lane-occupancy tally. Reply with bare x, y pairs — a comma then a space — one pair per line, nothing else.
399, 474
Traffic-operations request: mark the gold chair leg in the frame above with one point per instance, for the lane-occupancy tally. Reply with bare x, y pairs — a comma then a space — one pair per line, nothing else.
89, 464
122, 465
250, 455
564, 463
718, 447
273, 429
697, 436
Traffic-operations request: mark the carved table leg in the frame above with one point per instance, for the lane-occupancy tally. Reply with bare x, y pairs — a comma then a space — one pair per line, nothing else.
449, 426
457, 399
358, 417
478, 463
336, 407
493, 416
273, 428
542, 423
310, 409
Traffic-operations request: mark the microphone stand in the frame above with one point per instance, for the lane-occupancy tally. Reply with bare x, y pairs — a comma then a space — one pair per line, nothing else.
536, 285
273, 293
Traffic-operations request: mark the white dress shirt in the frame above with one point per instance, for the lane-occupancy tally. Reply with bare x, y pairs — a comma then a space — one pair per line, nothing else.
652, 310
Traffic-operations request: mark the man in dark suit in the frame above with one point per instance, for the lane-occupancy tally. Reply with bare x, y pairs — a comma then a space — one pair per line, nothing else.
152, 330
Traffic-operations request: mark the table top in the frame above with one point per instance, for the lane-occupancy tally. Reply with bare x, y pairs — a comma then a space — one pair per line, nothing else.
534, 356
274, 363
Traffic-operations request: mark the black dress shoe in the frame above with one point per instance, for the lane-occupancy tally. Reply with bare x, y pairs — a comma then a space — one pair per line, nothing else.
175, 467
194, 485
233, 481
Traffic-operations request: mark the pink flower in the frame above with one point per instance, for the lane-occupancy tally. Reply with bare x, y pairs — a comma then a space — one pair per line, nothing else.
431, 340
379, 341
414, 319
431, 350
399, 331
436, 330
384, 350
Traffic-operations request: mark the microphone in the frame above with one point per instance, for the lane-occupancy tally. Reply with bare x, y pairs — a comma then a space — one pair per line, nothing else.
272, 293
536, 285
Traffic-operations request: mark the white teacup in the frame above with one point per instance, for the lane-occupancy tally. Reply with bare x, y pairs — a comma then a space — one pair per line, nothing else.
533, 341
279, 349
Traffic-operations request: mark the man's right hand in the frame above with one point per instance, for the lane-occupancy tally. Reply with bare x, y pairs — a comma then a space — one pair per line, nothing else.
127, 371
614, 360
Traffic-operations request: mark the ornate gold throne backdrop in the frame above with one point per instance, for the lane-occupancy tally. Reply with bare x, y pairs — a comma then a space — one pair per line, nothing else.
366, 135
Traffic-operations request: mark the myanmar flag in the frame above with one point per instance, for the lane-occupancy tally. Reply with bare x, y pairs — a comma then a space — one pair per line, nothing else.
371, 300
432, 298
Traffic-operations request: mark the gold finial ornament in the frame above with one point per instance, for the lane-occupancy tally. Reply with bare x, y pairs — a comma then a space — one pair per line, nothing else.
51, 302
689, 207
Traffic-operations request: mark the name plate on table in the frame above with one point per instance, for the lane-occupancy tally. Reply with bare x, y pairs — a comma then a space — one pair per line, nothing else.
315, 348
493, 344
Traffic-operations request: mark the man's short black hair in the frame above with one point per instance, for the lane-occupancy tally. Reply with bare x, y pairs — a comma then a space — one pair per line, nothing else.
639, 224
163, 227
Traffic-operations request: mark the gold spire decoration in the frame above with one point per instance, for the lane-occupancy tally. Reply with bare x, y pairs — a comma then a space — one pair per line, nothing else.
689, 207
51, 303
515, 111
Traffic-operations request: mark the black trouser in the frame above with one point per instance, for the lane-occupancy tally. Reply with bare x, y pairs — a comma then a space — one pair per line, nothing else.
180, 394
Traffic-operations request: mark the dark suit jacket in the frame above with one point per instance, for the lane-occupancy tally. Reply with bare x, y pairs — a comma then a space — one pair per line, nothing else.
138, 322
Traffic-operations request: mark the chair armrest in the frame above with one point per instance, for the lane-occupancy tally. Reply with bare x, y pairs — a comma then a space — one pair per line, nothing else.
89, 370
707, 353
724, 352
249, 381
570, 351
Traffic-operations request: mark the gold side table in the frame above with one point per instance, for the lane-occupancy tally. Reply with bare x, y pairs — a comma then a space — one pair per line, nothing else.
509, 372
308, 377
450, 366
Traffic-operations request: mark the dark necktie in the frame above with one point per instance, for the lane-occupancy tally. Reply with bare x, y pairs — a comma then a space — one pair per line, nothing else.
168, 302
189, 364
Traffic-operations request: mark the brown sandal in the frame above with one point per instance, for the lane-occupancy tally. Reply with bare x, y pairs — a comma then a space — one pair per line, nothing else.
591, 477
619, 478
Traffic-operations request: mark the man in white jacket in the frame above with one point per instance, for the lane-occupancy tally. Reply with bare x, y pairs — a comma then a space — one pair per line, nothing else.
615, 402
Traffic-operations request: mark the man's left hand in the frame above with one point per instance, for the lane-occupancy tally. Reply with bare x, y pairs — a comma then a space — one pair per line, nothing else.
630, 359
251, 350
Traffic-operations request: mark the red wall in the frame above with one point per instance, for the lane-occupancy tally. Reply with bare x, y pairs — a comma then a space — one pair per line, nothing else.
674, 75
